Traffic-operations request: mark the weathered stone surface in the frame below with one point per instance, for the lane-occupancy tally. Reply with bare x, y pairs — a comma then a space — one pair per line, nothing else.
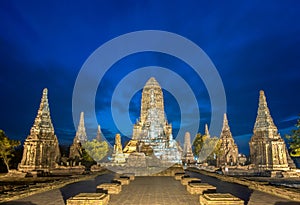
124, 181
185, 181
199, 188
187, 155
79, 139
112, 188
89, 199
267, 148
219, 198
41, 149
152, 134
130, 175
118, 156
228, 149
179, 175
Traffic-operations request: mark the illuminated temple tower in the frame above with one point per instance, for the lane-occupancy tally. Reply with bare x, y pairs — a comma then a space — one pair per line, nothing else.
152, 133
79, 139
187, 155
267, 148
228, 149
41, 150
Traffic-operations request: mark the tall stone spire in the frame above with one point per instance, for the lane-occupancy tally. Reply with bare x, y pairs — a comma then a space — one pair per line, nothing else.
267, 148
152, 97
228, 149
41, 149
81, 134
42, 123
152, 133
79, 139
99, 134
264, 120
207, 131
187, 155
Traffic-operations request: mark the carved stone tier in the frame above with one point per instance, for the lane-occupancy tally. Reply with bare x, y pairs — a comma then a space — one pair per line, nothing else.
41, 149
228, 149
267, 148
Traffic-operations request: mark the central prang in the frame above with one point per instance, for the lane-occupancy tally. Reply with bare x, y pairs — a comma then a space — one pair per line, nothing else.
152, 134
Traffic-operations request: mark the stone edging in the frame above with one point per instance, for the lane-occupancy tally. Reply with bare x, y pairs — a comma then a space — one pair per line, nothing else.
260, 186
49, 187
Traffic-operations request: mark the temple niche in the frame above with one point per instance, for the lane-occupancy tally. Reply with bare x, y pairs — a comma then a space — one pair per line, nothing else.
79, 139
41, 149
187, 155
228, 154
152, 134
267, 148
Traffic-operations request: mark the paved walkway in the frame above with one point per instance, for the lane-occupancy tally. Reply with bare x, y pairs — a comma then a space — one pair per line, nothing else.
151, 190
154, 190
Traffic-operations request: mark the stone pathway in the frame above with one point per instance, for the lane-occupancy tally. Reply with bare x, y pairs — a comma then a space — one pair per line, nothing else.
151, 190
154, 190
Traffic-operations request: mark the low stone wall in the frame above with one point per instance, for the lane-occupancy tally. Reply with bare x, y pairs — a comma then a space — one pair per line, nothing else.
260, 186
40, 187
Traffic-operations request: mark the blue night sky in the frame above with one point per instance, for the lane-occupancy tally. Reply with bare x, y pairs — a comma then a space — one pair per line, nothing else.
254, 45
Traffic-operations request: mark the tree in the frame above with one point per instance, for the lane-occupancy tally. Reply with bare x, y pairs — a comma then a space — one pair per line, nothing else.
198, 143
97, 150
7, 147
294, 139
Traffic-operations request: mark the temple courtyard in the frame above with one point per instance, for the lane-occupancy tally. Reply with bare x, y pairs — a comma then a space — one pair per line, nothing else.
150, 190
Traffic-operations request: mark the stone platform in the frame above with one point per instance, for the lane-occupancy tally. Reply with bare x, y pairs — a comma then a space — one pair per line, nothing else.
89, 199
199, 188
123, 181
219, 198
111, 188
185, 181
179, 175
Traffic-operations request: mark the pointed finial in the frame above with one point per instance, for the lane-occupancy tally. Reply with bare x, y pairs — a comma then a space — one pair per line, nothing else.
225, 123
206, 131
81, 134
99, 129
261, 92
45, 92
225, 119
263, 120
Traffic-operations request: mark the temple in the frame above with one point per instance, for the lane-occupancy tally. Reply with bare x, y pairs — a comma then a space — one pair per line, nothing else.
41, 149
152, 133
228, 149
267, 148
79, 139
